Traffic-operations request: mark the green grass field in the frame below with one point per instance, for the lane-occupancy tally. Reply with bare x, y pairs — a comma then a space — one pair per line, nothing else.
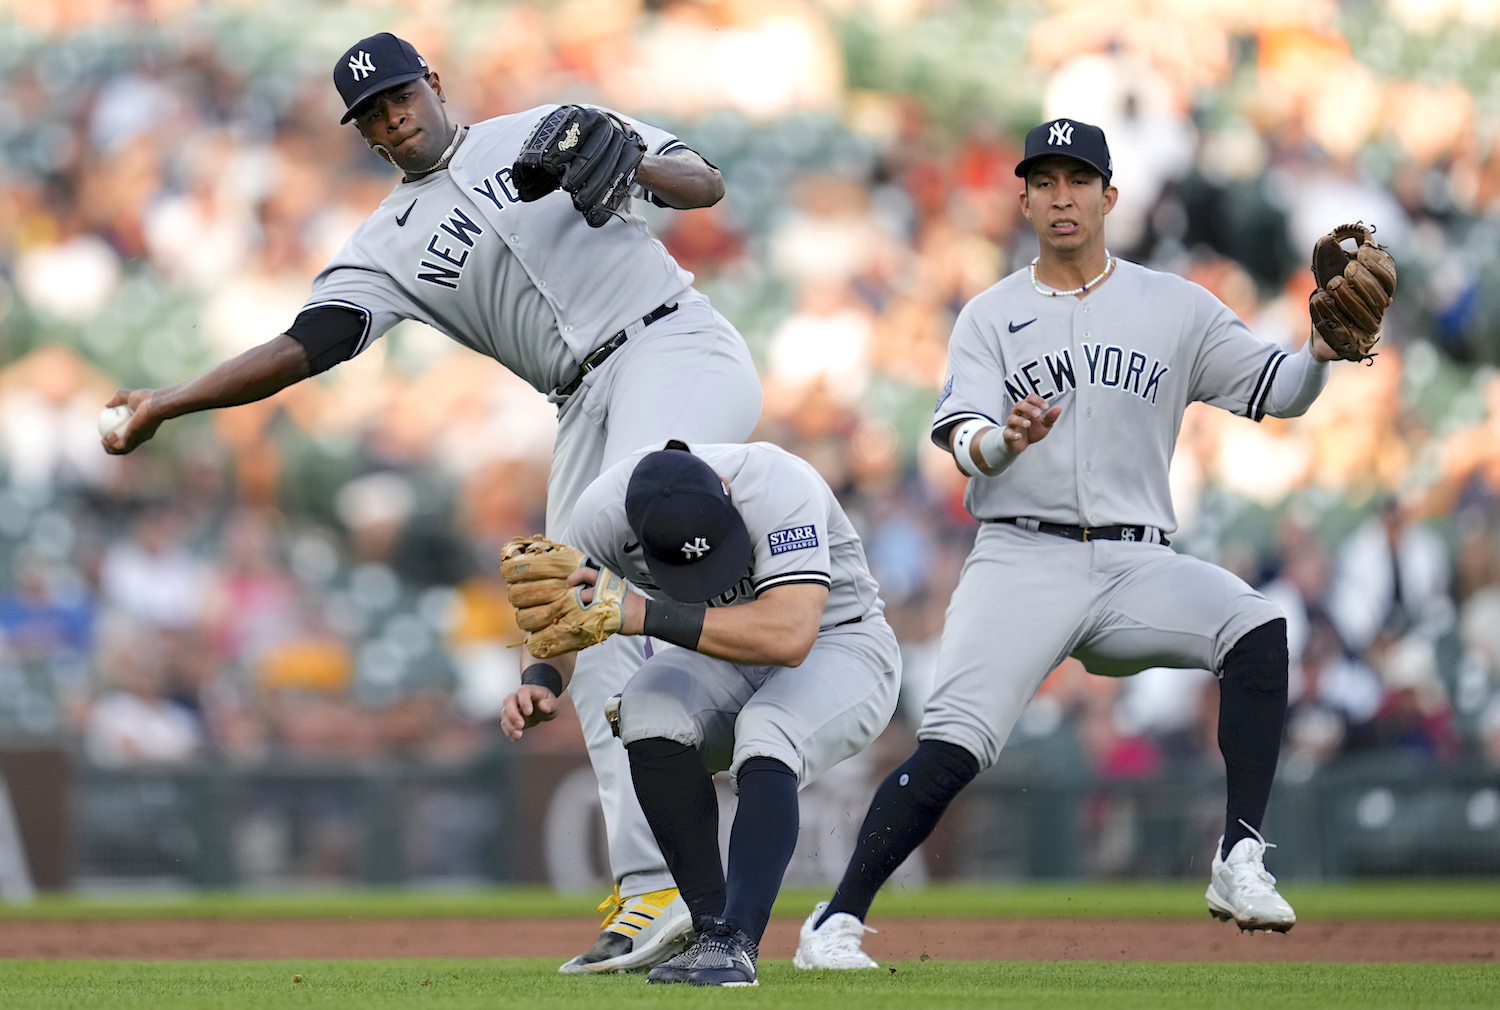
451, 985
1456, 899
535, 984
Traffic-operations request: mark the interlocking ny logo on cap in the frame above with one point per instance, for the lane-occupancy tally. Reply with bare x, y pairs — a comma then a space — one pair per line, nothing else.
696, 549
1061, 133
361, 66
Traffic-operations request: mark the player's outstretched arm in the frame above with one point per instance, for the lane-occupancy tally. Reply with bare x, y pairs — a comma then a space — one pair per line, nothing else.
681, 179
258, 373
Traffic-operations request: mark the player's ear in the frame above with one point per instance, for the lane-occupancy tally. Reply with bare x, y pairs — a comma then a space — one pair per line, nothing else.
1026, 200
434, 82
1111, 195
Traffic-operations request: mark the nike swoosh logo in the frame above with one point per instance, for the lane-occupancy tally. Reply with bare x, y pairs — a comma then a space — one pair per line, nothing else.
630, 547
1014, 327
401, 221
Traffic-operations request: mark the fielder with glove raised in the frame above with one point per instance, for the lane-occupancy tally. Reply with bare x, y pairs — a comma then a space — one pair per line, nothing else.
752, 568
1066, 389
515, 237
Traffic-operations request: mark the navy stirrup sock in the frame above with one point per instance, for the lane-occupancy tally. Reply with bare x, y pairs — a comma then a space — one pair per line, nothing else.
1252, 713
906, 807
677, 796
761, 842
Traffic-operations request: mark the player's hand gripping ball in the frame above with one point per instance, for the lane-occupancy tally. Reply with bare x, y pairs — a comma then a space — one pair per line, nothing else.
591, 154
550, 611
1354, 289
112, 420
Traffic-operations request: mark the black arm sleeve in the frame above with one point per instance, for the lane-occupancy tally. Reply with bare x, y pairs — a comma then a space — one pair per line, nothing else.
330, 334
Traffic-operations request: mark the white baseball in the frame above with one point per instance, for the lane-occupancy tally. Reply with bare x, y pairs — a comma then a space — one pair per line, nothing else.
112, 420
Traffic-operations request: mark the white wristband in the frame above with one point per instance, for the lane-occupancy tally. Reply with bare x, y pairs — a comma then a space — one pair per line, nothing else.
996, 454
963, 437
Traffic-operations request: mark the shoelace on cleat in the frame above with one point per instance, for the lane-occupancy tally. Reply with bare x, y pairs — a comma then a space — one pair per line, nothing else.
845, 940
611, 906
1251, 874
718, 945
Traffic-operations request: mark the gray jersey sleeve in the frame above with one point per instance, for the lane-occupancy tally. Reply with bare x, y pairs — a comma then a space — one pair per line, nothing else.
975, 388
787, 514
365, 290
1232, 367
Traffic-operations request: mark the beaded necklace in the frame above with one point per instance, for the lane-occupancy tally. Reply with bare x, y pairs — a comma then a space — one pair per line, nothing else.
459, 132
1109, 265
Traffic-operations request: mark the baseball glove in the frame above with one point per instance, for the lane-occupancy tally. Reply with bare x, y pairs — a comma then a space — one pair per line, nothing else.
551, 612
1354, 289
590, 153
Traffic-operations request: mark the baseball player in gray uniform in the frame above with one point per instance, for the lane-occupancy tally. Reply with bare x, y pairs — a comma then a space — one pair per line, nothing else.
1067, 382
771, 658
601, 320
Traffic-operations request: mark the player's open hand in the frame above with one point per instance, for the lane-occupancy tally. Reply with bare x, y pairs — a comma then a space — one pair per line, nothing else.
144, 420
1029, 421
528, 705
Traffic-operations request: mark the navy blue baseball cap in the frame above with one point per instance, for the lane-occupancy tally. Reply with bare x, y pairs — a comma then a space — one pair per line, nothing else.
371, 65
1072, 139
694, 540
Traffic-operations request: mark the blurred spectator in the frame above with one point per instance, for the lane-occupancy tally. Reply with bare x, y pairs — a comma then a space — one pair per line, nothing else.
49, 615
1414, 714
132, 721
153, 577
1392, 576
1336, 700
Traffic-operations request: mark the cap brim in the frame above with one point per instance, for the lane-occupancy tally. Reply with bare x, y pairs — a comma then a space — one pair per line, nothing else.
1027, 163
712, 576
375, 89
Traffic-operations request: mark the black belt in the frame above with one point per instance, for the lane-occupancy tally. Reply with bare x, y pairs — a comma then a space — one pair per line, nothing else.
610, 346
1083, 534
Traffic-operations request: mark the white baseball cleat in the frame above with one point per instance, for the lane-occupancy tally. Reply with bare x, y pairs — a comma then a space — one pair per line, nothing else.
639, 932
1240, 887
835, 944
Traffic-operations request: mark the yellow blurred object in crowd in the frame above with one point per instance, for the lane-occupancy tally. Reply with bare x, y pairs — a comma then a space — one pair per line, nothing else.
307, 664
485, 615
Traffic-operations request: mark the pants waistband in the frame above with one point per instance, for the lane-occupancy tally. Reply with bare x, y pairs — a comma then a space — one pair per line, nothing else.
599, 354
1083, 534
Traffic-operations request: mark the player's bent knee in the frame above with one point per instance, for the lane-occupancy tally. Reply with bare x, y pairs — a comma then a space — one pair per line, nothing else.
1260, 658
647, 713
937, 772
754, 765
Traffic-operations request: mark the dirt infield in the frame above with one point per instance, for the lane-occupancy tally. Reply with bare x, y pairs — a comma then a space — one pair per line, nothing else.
898, 939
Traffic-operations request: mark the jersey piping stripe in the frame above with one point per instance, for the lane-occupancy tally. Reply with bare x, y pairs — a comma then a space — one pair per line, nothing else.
1256, 408
940, 427
364, 313
792, 578
669, 146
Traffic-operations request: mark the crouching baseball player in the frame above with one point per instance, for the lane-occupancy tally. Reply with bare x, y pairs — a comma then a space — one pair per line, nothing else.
770, 657
1067, 383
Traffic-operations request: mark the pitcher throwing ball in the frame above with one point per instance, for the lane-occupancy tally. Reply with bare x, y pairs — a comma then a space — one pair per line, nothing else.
515, 237
1067, 383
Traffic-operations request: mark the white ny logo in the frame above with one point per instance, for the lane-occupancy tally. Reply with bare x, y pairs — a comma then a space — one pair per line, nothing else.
361, 65
1061, 133
696, 549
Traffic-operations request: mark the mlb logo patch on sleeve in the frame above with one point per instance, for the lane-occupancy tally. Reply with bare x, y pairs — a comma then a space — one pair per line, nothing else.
796, 538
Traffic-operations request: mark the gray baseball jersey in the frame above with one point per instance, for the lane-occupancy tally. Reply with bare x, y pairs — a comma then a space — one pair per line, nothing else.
528, 284
798, 530
534, 287
1122, 363
809, 718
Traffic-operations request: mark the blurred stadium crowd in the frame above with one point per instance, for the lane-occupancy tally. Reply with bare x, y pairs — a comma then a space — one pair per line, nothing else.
310, 578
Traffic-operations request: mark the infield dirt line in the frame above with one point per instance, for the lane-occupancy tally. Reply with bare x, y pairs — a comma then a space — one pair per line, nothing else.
963, 939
